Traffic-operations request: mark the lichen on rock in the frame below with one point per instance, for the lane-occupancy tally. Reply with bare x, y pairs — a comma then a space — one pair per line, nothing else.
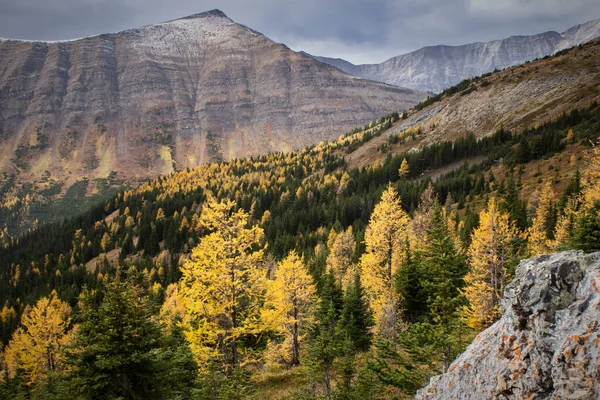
546, 344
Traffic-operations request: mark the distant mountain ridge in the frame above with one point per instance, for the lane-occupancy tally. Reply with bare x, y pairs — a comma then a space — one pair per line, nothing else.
147, 101
435, 68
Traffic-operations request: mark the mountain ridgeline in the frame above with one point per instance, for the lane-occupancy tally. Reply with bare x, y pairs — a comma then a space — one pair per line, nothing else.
84, 117
435, 68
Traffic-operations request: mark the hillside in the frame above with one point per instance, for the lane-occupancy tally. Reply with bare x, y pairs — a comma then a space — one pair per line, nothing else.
83, 117
520, 97
435, 68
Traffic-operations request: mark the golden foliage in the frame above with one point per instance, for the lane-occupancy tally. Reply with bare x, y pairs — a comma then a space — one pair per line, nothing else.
581, 205
341, 247
290, 299
222, 285
490, 255
385, 239
538, 242
404, 168
35, 349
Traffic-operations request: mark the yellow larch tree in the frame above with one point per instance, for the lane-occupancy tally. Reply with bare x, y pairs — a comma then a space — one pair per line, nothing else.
404, 168
35, 348
341, 247
490, 257
172, 311
421, 219
222, 285
290, 299
578, 225
538, 241
385, 239
106, 242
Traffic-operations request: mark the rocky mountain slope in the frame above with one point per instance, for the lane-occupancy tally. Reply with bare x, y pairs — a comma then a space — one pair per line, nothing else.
547, 343
147, 101
517, 98
435, 68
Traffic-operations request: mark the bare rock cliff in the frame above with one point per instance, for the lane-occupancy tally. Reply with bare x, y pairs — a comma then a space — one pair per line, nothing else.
435, 68
147, 101
546, 345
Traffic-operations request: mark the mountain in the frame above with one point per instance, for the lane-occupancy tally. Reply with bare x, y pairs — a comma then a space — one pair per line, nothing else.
435, 68
545, 345
518, 98
321, 202
135, 104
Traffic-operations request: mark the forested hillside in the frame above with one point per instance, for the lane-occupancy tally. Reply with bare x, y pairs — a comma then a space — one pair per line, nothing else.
240, 278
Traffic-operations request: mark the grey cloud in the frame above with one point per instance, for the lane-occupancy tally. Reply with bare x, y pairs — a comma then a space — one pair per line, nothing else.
361, 30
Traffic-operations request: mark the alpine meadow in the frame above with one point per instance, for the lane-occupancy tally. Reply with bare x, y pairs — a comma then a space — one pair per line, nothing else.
204, 213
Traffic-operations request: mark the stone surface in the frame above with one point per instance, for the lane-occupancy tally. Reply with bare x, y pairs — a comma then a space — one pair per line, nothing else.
546, 345
146, 101
435, 68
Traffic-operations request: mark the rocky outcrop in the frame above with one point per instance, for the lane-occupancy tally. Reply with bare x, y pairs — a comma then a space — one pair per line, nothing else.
546, 345
436, 68
147, 101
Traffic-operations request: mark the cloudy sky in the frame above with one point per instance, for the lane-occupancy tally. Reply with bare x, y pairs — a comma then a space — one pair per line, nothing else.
360, 31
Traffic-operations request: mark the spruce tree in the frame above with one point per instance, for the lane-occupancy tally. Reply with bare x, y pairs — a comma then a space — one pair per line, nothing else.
445, 268
356, 318
119, 349
413, 299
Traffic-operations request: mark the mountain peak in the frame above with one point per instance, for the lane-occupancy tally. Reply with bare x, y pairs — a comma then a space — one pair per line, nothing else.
215, 13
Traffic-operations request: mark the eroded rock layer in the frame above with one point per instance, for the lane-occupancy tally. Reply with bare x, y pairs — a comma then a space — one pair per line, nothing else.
546, 345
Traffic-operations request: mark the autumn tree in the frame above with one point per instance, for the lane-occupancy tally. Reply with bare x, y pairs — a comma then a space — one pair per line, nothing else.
579, 224
491, 256
404, 168
291, 297
384, 238
341, 247
421, 219
35, 349
538, 240
222, 285
106, 242
586, 234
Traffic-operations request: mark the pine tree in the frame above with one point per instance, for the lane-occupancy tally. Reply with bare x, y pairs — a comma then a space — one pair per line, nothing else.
491, 256
152, 244
446, 269
222, 285
512, 203
412, 296
119, 348
356, 318
324, 346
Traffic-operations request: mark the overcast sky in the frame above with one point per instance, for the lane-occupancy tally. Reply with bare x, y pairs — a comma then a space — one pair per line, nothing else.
361, 31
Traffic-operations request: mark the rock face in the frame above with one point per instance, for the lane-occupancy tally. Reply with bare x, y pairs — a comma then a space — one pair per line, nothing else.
436, 68
546, 344
145, 101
